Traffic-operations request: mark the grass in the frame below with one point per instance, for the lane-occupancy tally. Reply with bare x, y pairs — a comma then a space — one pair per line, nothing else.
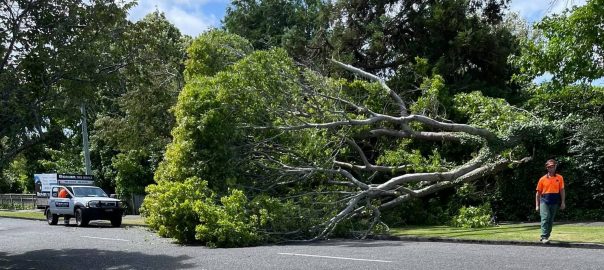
22, 214
509, 232
38, 215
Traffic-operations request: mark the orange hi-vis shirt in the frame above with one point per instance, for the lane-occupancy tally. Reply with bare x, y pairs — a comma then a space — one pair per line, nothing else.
63, 193
549, 187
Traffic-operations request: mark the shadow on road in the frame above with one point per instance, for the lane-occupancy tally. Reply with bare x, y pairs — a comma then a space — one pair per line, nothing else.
90, 259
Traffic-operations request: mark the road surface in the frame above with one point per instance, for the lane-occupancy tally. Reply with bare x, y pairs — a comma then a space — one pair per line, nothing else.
31, 244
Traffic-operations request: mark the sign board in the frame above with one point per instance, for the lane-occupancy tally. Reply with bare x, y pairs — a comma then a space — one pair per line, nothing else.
74, 179
44, 181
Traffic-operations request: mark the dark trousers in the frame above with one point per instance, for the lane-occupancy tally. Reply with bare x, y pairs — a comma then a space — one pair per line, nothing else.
547, 212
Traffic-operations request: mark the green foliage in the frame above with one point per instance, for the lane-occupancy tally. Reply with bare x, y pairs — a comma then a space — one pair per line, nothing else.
130, 133
277, 23
582, 101
405, 154
430, 103
230, 224
566, 45
473, 217
171, 208
463, 41
48, 66
132, 175
16, 178
210, 138
189, 212
494, 114
16, 206
213, 51
587, 148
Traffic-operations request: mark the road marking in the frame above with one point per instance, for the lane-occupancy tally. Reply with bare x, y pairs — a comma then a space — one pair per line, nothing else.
331, 257
101, 238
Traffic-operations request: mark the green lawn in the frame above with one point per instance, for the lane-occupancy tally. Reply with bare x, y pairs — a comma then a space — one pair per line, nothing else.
22, 214
139, 221
510, 232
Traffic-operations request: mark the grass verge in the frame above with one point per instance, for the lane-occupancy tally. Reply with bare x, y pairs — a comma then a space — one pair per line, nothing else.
508, 232
38, 215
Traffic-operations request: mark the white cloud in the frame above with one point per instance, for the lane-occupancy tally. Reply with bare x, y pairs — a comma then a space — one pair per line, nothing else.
190, 16
534, 10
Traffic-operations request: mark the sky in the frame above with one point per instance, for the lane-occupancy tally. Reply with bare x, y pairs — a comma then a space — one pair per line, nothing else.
195, 16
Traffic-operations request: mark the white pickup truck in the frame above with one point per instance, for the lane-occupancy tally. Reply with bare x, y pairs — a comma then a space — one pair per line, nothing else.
85, 203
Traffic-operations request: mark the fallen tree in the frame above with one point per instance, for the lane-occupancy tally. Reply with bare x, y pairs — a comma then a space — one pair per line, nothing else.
311, 152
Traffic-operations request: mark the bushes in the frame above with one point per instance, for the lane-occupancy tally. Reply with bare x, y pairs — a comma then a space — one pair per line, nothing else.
473, 217
189, 213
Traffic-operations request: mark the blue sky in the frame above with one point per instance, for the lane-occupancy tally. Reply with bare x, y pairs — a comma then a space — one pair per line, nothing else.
195, 16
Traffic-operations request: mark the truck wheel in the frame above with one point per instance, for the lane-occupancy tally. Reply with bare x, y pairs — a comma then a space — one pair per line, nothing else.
116, 221
81, 219
51, 218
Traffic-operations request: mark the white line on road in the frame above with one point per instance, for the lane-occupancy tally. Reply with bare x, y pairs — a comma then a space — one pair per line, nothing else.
112, 239
331, 257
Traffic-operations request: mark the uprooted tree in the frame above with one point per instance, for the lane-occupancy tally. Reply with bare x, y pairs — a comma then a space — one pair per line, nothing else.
296, 155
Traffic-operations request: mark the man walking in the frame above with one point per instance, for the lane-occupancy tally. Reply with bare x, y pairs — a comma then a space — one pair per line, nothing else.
549, 198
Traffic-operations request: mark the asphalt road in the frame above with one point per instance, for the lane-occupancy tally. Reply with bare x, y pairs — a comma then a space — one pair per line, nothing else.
30, 244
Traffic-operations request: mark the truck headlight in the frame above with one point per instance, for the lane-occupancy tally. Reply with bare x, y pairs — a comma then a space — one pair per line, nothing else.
94, 204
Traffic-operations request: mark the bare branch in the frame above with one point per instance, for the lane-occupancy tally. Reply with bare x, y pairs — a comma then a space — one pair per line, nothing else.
394, 95
451, 126
331, 224
344, 173
373, 168
486, 169
428, 136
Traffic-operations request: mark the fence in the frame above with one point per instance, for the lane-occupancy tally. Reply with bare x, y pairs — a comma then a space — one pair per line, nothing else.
135, 202
21, 201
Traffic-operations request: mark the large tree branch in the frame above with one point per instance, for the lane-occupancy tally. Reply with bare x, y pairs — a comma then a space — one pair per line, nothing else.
373, 168
434, 177
350, 207
444, 126
394, 95
422, 135
10, 155
348, 175
486, 169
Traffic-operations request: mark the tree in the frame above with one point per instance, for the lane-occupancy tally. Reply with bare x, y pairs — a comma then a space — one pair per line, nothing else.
277, 23
334, 150
463, 41
53, 55
567, 46
133, 127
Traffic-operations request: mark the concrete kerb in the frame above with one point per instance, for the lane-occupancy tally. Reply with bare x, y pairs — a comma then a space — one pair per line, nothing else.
488, 242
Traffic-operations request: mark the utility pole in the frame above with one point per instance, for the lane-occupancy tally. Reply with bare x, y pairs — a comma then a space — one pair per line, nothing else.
85, 140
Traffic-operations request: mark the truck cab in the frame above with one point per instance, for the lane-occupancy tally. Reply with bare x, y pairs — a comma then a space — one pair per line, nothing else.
85, 203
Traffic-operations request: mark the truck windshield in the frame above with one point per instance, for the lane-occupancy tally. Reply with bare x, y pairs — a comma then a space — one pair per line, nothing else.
88, 192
